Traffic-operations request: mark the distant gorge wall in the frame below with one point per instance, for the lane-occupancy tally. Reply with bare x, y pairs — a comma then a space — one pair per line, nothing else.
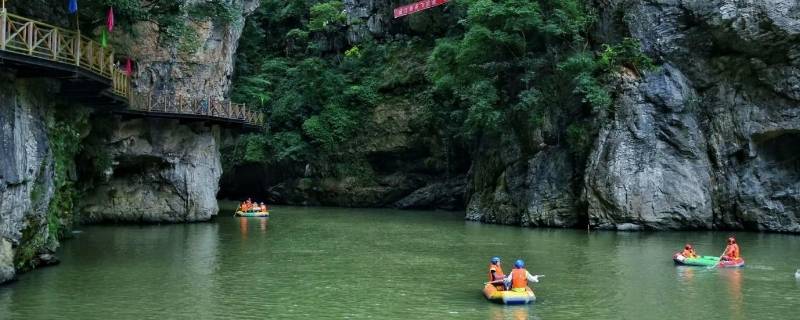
709, 140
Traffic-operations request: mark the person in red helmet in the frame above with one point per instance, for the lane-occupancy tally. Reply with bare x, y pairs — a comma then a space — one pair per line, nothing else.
688, 251
732, 250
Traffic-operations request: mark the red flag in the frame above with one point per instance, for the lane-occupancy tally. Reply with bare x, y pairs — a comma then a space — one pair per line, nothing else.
128, 67
110, 19
417, 6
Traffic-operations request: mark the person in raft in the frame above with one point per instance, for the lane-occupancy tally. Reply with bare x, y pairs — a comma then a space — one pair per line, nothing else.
732, 250
519, 277
263, 207
245, 206
688, 251
496, 275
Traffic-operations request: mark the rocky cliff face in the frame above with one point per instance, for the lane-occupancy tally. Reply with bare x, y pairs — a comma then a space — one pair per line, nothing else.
398, 167
367, 18
26, 169
721, 116
708, 140
168, 171
162, 171
199, 64
510, 187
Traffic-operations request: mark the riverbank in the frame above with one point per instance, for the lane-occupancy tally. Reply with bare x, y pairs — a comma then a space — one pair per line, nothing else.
386, 264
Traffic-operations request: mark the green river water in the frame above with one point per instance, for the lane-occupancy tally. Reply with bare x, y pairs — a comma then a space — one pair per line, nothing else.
315, 263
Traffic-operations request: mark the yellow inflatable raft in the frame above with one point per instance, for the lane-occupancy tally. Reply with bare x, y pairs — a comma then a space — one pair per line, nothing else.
508, 297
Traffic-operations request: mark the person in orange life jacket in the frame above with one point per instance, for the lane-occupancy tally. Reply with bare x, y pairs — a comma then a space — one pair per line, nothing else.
688, 251
496, 271
519, 277
732, 250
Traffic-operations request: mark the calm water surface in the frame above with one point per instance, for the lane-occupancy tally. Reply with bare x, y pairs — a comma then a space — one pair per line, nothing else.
311, 263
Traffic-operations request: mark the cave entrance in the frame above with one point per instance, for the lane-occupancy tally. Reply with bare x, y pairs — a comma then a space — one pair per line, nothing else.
781, 153
245, 181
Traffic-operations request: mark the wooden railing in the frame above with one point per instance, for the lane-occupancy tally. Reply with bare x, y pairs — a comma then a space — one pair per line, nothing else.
40, 40
206, 107
43, 41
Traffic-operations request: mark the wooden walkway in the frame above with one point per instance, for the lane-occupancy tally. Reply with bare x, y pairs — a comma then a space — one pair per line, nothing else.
95, 77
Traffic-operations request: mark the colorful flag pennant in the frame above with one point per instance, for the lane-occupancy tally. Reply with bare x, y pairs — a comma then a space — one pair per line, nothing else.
110, 19
128, 67
73, 6
103, 38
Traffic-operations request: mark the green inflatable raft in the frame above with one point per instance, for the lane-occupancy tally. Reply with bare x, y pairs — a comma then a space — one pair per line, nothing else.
702, 261
707, 261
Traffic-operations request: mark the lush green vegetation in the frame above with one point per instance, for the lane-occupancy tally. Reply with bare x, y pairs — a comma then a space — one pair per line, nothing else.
480, 69
171, 16
66, 128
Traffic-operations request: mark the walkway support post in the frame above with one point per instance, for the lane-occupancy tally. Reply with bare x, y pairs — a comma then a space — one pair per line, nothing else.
3, 23
29, 39
54, 43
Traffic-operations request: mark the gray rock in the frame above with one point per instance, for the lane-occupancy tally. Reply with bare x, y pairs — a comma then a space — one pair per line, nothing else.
205, 71
511, 187
26, 165
367, 18
46, 259
649, 166
711, 145
708, 140
446, 195
7, 272
164, 172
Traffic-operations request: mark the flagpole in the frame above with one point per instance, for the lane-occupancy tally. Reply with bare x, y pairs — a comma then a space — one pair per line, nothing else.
78, 42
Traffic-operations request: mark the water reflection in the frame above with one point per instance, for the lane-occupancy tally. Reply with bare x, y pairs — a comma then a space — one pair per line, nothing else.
733, 278
686, 274
511, 313
243, 227
262, 222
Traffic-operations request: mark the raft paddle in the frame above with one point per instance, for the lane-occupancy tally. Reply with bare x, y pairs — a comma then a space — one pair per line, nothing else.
719, 260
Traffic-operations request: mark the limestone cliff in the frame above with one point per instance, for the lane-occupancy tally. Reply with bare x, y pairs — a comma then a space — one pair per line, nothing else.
198, 64
159, 170
168, 171
707, 140
162, 171
711, 139
26, 169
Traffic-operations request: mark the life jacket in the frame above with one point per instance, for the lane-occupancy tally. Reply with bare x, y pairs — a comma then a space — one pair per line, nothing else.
519, 278
732, 251
497, 270
688, 253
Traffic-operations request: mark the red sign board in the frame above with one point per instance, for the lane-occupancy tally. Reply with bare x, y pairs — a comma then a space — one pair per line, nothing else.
417, 7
